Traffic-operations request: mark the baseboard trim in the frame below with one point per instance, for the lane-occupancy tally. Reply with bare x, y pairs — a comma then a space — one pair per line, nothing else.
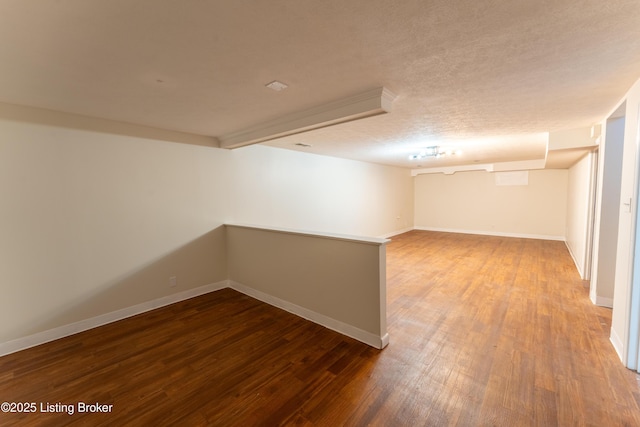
493, 233
373, 340
603, 301
617, 345
103, 319
575, 262
396, 233
385, 340
43, 337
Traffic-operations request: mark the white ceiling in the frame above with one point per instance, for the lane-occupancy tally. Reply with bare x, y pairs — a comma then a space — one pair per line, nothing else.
488, 77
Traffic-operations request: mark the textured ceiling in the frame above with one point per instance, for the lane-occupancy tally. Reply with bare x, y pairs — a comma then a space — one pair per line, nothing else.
488, 77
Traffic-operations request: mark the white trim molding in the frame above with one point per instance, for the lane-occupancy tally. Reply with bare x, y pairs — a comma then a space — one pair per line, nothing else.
396, 233
493, 233
369, 338
367, 104
575, 261
103, 319
618, 346
519, 165
603, 301
114, 316
334, 236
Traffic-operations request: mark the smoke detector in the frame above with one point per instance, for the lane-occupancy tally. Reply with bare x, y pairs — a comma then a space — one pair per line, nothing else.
276, 85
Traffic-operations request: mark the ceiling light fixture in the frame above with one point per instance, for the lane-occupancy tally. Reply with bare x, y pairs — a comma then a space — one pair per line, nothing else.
434, 151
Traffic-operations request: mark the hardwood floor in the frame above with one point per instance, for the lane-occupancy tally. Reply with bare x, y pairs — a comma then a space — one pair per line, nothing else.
484, 331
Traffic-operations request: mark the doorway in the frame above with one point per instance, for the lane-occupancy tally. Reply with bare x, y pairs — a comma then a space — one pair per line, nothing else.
606, 244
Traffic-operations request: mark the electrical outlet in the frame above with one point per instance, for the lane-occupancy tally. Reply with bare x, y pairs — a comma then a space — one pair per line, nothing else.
172, 282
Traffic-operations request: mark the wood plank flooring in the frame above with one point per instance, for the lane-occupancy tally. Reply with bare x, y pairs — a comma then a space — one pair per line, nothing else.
485, 331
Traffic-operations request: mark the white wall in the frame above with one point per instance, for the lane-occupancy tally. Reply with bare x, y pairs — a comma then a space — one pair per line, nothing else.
472, 202
579, 193
607, 212
96, 221
622, 301
283, 188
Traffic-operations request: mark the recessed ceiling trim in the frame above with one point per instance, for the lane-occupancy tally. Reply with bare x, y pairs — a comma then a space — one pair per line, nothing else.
366, 104
489, 167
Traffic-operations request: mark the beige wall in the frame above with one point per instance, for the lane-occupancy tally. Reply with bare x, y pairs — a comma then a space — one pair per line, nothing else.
283, 188
472, 202
93, 222
96, 221
341, 281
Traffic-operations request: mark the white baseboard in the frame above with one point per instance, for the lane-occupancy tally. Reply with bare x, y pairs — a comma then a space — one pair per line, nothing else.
575, 262
94, 322
603, 302
385, 340
83, 325
395, 233
493, 233
373, 340
617, 345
